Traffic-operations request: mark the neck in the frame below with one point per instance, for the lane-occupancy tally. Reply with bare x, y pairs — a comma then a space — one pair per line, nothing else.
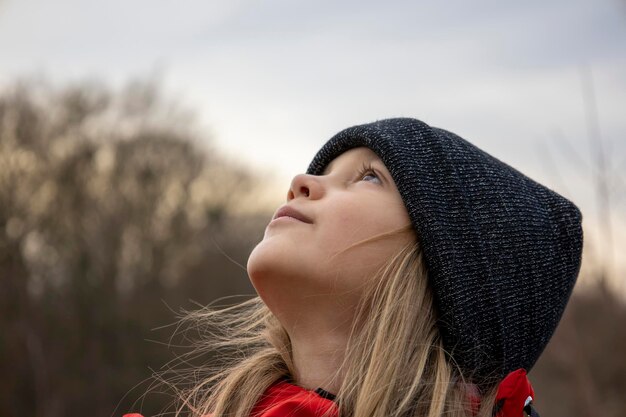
317, 355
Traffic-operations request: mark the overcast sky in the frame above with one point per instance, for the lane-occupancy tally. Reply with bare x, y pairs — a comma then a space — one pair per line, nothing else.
275, 79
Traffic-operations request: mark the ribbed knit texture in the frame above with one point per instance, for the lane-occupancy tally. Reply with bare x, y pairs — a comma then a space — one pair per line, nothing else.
502, 251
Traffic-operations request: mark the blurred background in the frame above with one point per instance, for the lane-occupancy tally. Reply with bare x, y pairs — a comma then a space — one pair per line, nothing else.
144, 146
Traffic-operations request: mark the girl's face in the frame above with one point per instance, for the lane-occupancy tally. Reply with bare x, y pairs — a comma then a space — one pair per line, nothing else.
300, 266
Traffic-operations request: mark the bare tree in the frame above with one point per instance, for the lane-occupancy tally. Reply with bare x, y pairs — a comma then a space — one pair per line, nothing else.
109, 203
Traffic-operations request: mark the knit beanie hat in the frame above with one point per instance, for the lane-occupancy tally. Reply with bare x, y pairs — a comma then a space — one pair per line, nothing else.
502, 251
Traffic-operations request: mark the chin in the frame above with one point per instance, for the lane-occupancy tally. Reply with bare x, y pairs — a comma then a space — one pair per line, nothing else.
264, 260
273, 272
262, 272
255, 262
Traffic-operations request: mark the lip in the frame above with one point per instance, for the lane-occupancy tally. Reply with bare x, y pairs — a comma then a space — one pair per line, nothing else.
288, 211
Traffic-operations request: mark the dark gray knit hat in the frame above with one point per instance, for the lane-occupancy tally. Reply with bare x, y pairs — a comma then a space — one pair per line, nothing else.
502, 251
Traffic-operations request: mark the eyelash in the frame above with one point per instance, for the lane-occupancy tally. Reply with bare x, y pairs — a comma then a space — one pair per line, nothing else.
368, 169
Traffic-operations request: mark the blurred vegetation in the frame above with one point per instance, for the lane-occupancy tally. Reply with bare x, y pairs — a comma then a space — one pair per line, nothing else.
111, 208
114, 208
582, 372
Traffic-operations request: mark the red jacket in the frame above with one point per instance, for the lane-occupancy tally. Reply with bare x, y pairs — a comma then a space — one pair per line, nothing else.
283, 399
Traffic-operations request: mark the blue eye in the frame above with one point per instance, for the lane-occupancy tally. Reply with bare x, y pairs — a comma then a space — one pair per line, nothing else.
370, 174
368, 171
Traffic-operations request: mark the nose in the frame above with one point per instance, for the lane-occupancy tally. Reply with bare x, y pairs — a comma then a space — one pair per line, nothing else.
305, 185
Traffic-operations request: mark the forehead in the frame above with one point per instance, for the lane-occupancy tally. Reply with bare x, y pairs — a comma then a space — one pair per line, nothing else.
351, 156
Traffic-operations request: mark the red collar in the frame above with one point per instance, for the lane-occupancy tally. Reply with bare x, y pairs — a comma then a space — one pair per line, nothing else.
284, 399
514, 395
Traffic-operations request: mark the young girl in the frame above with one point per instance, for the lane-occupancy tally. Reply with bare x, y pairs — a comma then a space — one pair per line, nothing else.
409, 274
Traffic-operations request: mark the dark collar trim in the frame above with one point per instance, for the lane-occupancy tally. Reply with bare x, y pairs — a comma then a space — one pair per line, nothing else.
323, 393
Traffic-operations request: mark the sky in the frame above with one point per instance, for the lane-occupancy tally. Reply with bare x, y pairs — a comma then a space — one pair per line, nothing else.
537, 84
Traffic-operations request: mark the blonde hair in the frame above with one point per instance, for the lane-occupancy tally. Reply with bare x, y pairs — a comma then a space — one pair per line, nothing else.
395, 364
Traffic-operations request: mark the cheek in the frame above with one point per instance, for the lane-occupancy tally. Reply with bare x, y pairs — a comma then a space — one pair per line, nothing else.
359, 222
346, 230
